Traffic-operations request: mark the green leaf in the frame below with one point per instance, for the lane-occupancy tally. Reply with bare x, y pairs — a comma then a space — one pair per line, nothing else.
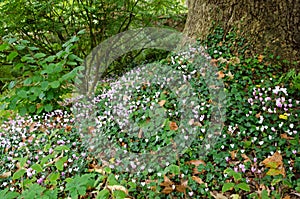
19, 66
264, 194
55, 84
33, 48
4, 47
60, 163
237, 176
12, 55
44, 85
37, 168
61, 148
112, 180
6, 194
22, 94
174, 169
18, 174
27, 81
39, 55
48, 107
81, 32
20, 47
11, 84
50, 58
227, 187
243, 186
103, 194
53, 176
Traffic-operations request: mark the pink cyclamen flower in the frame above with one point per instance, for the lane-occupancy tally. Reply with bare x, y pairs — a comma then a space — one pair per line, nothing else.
40, 180
236, 169
294, 151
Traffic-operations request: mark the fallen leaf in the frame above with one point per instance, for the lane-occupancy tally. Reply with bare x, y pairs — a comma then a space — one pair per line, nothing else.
260, 58
258, 115
285, 136
117, 187
167, 190
218, 196
214, 62
233, 154
5, 174
173, 126
180, 188
286, 197
193, 123
68, 128
167, 182
247, 159
230, 75
275, 164
162, 102
197, 163
140, 135
221, 75
197, 179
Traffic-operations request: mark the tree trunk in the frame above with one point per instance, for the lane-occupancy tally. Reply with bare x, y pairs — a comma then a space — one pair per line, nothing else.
268, 24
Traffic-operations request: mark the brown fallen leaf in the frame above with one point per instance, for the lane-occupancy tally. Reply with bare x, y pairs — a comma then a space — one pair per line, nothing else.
285, 136
221, 75
260, 58
233, 154
161, 103
5, 174
167, 190
247, 159
286, 197
218, 196
275, 164
117, 187
196, 163
197, 179
167, 182
258, 115
180, 188
173, 126
214, 62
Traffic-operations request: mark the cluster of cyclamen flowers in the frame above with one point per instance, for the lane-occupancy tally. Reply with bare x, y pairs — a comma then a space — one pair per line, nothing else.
35, 139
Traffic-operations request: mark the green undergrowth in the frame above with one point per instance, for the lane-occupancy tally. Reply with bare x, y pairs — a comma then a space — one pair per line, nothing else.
256, 154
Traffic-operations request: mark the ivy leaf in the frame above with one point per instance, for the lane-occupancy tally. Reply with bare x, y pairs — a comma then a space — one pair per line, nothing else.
103, 194
37, 168
8, 194
55, 84
39, 55
227, 187
4, 47
243, 186
18, 174
60, 163
12, 55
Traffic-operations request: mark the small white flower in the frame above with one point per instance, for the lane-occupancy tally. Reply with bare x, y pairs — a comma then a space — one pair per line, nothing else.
270, 137
291, 126
261, 142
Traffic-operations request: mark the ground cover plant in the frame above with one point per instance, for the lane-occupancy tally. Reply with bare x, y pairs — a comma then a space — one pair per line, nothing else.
256, 156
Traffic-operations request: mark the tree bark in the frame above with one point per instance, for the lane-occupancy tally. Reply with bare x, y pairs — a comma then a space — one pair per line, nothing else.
268, 24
